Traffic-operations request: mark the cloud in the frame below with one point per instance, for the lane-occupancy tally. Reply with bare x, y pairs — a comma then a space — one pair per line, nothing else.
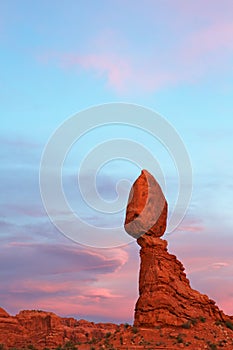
190, 228
199, 52
64, 278
209, 12
108, 67
55, 259
211, 39
206, 50
33, 210
119, 73
219, 265
18, 141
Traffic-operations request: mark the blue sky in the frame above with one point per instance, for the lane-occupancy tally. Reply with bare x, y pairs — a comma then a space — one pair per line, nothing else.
59, 58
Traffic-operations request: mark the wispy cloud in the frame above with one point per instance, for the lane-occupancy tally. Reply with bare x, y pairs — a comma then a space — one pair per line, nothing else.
18, 141
200, 52
36, 274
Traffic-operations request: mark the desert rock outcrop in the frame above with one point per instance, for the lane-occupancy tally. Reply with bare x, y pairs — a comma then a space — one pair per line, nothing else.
165, 295
47, 330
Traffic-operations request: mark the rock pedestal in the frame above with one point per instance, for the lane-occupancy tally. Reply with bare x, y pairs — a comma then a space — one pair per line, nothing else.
165, 295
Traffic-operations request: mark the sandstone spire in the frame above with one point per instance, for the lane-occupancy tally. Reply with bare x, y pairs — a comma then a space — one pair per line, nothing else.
165, 295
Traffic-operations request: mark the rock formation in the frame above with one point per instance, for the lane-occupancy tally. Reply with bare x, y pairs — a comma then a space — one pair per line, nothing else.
3, 313
146, 209
44, 330
165, 295
47, 330
169, 314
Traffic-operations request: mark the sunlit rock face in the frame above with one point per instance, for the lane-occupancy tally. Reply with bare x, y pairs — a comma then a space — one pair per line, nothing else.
147, 208
165, 295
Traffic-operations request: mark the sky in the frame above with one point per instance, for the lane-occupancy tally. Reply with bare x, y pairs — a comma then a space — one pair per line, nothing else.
59, 58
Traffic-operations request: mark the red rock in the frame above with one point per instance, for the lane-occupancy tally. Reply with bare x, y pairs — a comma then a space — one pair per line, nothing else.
3, 313
31, 328
47, 330
147, 208
165, 295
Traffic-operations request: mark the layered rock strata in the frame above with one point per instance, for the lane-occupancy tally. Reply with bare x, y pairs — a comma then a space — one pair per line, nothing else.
165, 294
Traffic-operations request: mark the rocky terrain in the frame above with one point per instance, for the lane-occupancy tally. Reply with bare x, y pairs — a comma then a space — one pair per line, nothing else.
44, 330
169, 314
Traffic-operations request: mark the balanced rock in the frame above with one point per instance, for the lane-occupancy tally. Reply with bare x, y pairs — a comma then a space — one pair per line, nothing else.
165, 295
147, 208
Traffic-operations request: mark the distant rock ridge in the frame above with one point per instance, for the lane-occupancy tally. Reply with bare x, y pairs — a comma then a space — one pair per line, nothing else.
46, 330
165, 295
3, 313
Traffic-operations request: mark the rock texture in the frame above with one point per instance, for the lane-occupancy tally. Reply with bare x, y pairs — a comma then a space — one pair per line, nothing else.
3, 313
44, 330
147, 208
47, 330
165, 295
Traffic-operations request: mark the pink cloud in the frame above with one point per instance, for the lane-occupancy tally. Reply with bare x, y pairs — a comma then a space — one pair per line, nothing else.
210, 11
103, 284
188, 60
115, 70
216, 37
220, 265
210, 47
90, 308
190, 228
83, 292
192, 55
121, 73
69, 280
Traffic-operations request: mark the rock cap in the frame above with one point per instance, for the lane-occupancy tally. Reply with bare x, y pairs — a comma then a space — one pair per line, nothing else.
146, 211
